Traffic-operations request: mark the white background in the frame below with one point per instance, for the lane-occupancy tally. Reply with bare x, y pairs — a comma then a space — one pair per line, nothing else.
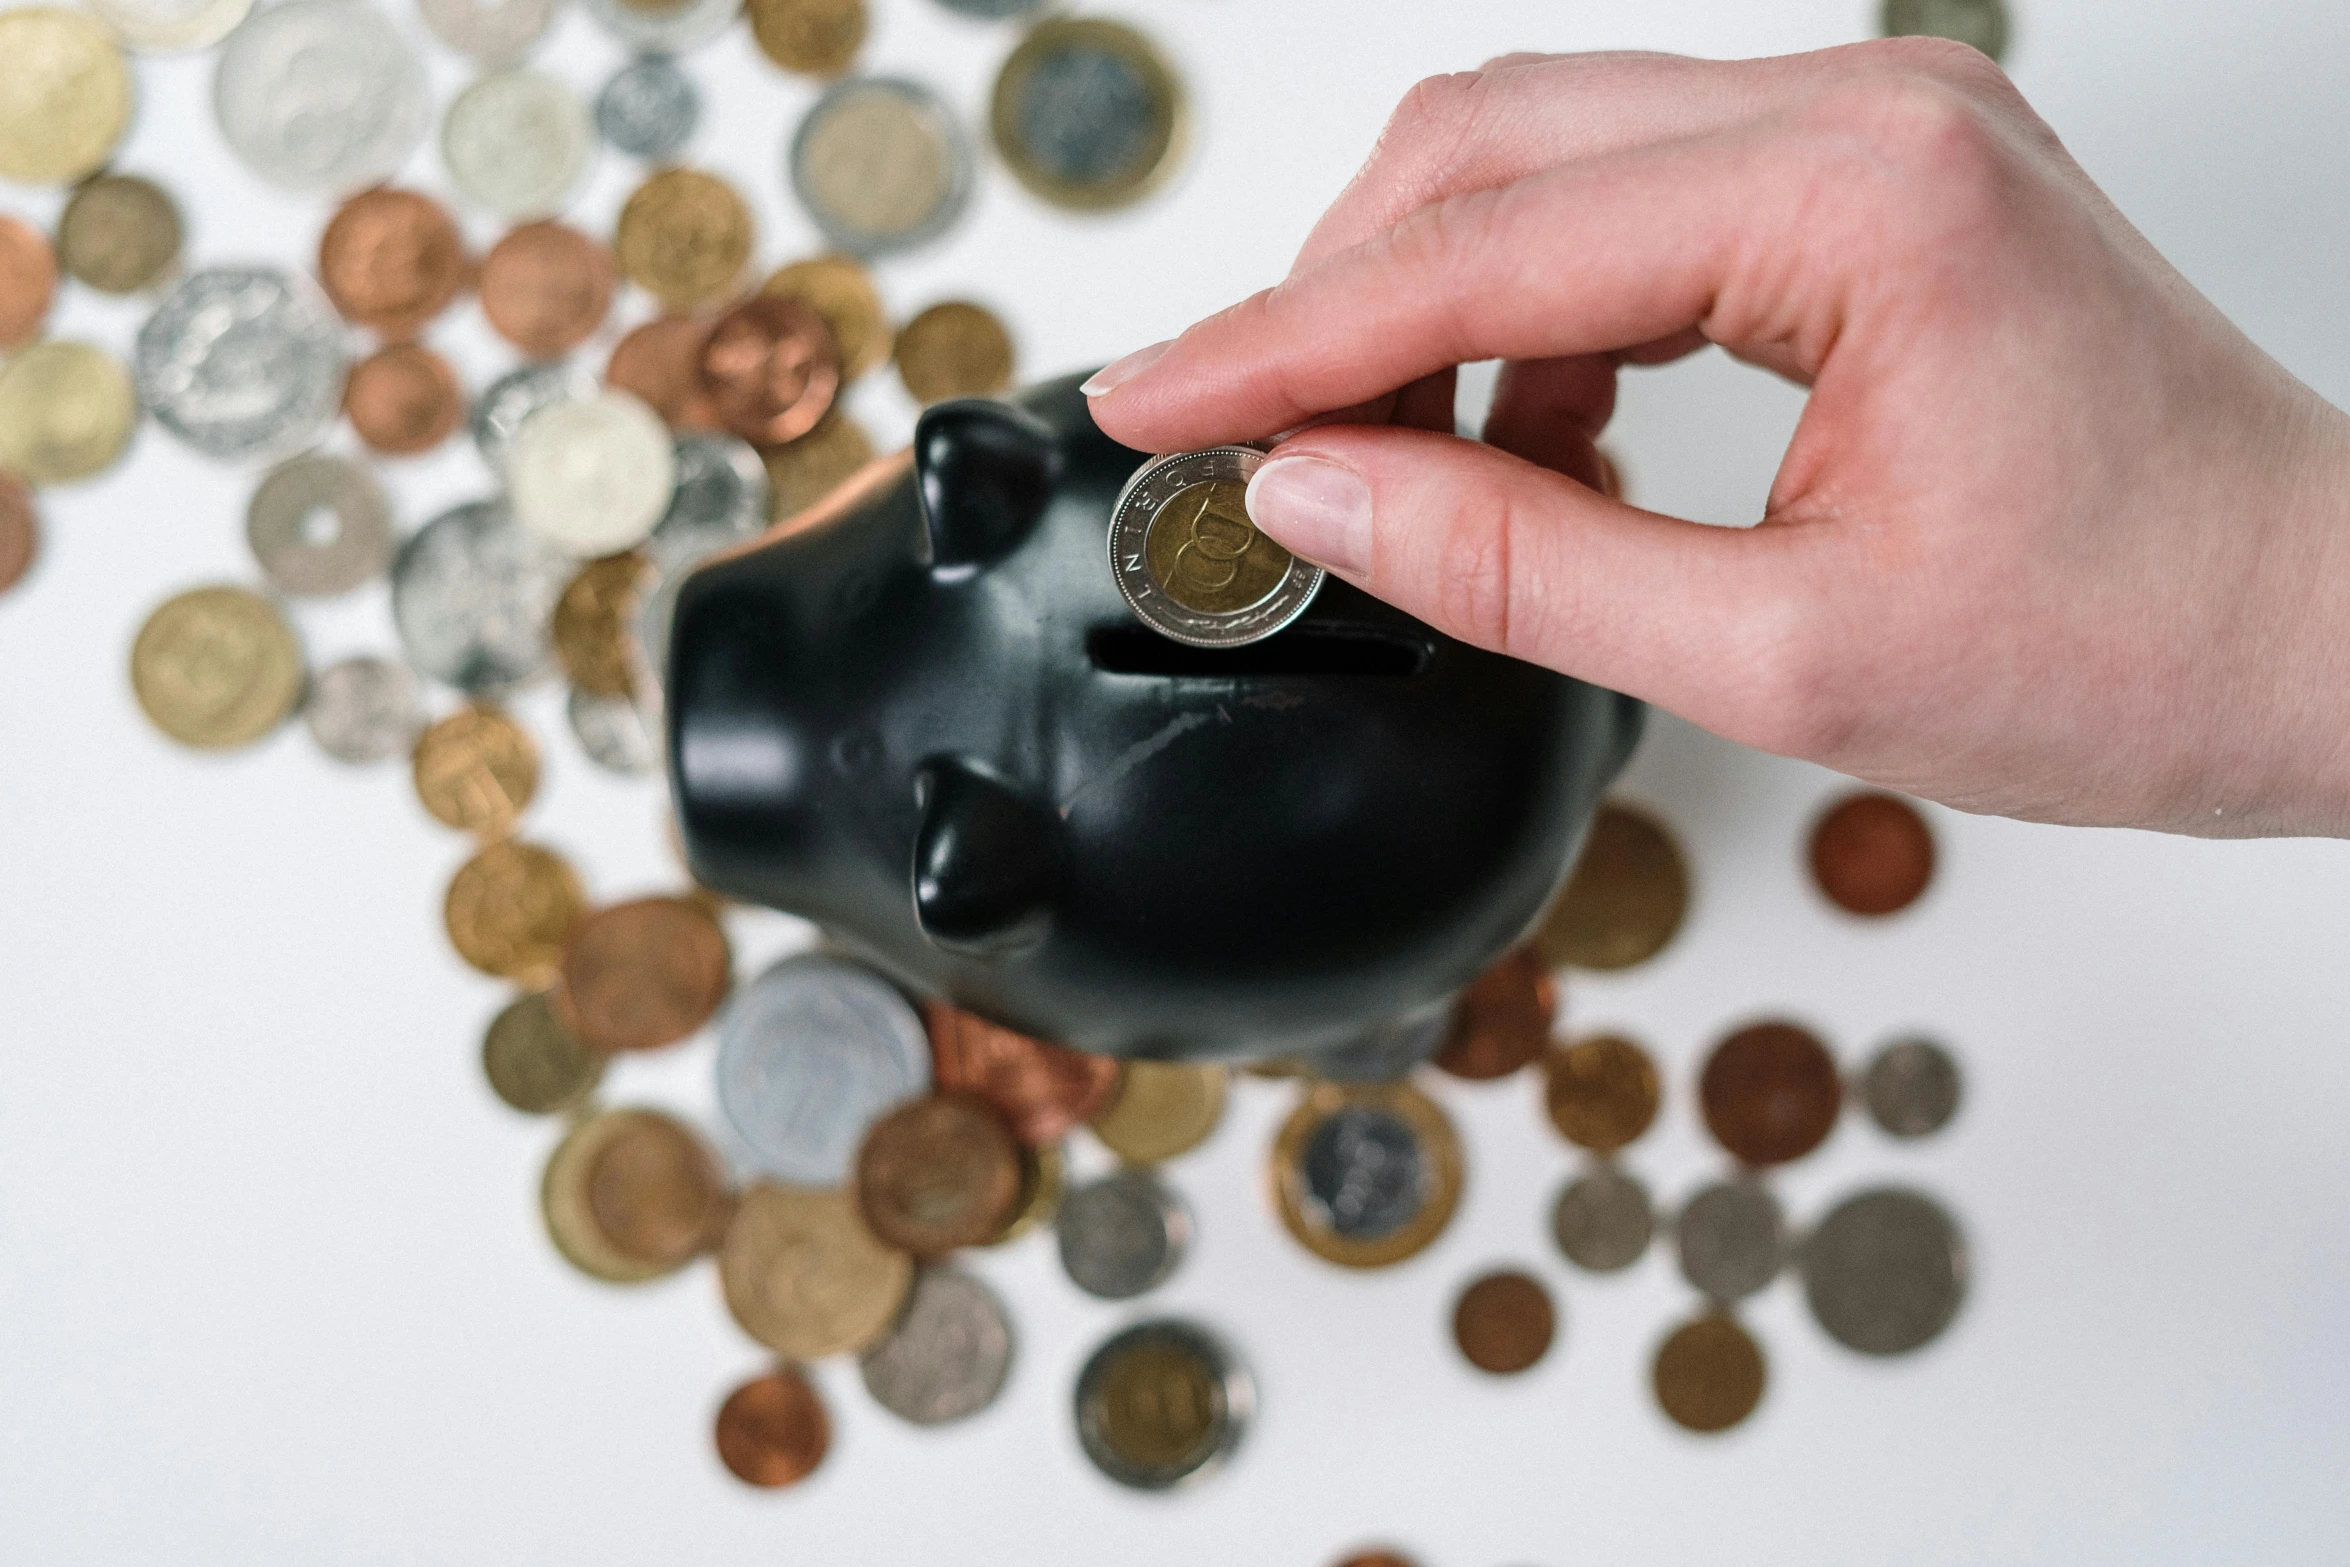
272, 1288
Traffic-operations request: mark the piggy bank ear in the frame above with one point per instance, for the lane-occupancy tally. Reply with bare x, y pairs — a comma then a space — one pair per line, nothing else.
987, 862
986, 471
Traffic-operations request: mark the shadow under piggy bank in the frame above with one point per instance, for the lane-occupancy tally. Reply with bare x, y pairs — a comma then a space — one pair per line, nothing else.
922, 716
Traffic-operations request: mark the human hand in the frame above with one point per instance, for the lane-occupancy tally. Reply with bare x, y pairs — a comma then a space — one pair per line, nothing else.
2052, 539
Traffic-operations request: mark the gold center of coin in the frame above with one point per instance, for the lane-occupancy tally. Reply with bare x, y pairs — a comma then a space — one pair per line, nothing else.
1207, 556
1159, 1405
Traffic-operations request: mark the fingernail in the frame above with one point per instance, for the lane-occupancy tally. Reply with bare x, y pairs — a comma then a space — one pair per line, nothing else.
1112, 376
1315, 508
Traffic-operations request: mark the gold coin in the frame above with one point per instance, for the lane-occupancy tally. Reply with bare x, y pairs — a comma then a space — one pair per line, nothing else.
685, 237
1207, 555
1625, 898
804, 1276
65, 96
955, 349
1601, 1092
476, 770
1366, 1174
595, 624
812, 37
120, 234
1709, 1374
800, 473
66, 412
510, 909
1161, 1109
608, 1150
1159, 1405
216, 668
1043, 1173
1087, 114
533, 1062
843, 293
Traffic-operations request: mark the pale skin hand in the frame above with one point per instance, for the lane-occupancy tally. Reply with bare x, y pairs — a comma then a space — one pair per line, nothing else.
2052, 540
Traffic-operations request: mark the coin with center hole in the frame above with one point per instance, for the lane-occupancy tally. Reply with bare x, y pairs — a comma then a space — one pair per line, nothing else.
319, 526
1189, 561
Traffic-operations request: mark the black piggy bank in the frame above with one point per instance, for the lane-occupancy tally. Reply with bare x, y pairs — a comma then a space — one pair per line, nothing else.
921, 716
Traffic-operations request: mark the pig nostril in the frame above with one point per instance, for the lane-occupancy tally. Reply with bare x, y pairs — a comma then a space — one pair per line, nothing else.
1301, 650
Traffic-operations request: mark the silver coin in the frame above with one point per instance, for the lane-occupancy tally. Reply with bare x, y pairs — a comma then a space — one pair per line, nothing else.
1885, 1271
242, 363
882, 165
471, 596
1365, 1170
489, 29
518, 142
1169, 493
319, 525
809, 1053
506, 406
721, 499
171, 26
363, 710
618, 734
1731, 1239
1603, 1220
1387, 1052
1911, 1088
649, 109
593, 476
665, 28
1219, 1402
949, 1354
1122, 1235
1982, 23
320, 96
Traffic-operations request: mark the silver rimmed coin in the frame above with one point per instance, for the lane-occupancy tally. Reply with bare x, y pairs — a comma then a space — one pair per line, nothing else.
1122, 1236
507, 403
881, 165
1087, 113
320, 95
1911, 1088
171, 26
1885, 1271
649, 109
471, 597
618, 733
1731, 1239
517, 142
1982, 23
1161, 1403
319, 525
809, 1054
592, 476
363, 710
1603, 1220
949, 1354
664, 26
488, 29
242, 363
1191, 564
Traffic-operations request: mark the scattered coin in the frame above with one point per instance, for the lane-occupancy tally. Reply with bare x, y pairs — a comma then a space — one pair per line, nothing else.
993, 10
949, 1354
1982, 23
660, 362
477, 770
809, 1054
1043, 1170
938, 1173
1504, 1322
471, 594
1625, 899
842, 292
28, 281
1190, 563
1366, 1174
591, 476
721, 499
20, 530
1162, 1402
403, 400
665, 26
512, 398
881, 165
955, 349
1501, 1021
1087, 113
684, 237
1884, 1271
1387, 1051
1603, 1220
363, 709
216, 668
770, 369
1770, 1093
1123, 1235
534, 1063
1731, 1239
1040, 1089
66, 412
319, 525
65, 96
1708, 1374
812, 37
772, 1431
242, 363
805, 1277
1601, 1092
518, 143
488, 29
595, 622
1911, 1088
1162, 1109
644, 974
649, 109
171, 26
511, 908
391, 260
546, 288
630, 1195
1872, 853
807, 470
616, 732
320, 95
120, 234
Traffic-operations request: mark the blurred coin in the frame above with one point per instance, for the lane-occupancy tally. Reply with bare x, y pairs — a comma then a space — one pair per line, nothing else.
1770, 1093
1040, 1089
20, 530
1982, 23
28, 281
66, 412
1708, 1374
1730, 1239
615, 732
805, 471
1162, 1109
65, 96
1501, 1020
842, 292
1042, 1172
661, 363
809, 1053
216, 668
546, 288
534, 1063
940, 1172
1504, 1322
881, 165
644, 974
649, 109
489, 29
812, 37
955, 349
1911, 1088
1123, 1235
510, 909
1385, 1052
403, 400
1884, 1271
1190, 562
242, 363
363, 710
1087, 113
1366, 1174
1161, 1402
512, 398
993, 10
319, 525
772, 1431
317, 96
1603, 1220
1601, 1092
476, 770
720, 499
471, 594
1872, 853
120, 234
664, 26
630, 1195
1626, 897
804, 1276
391, 260
684, 237
770, 369
517, 142
591, 476
949, 1354
595, 620
171, 26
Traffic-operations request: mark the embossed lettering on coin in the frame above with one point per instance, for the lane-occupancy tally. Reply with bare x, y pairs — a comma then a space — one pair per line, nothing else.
1190, 563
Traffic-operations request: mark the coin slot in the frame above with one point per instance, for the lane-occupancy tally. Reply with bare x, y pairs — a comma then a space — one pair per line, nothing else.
1301, 650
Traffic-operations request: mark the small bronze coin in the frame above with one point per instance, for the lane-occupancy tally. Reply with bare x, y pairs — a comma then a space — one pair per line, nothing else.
1040, 1089
640, 975
1770, 1093
403, 400
1625, 899
1501, 1020
28, 281
476, 770
839, 289
771, 369
1872, 853
510, 909
938, 1173
546, 288
1503, 1322
595, 624
120, 234
661, 364
391, 260
1708, 1374
807, 470
1601, 1092
955, 349
684, 238
533, 1062
657, 1192
772, 1431
20, 530
1161, 1109
812, 37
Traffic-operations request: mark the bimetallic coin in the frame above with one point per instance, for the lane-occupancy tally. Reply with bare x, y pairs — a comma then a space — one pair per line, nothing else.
644, 974
809, 1054
939, 1173
1911, 1088
546, 288
649, 109
320, 95
881, 165
518, 143
1190, 563
319, 526
803, 472
812, 37
616, 732
630, 1195
661, 362
171, 26
1160, 1403
391, 260
512, 398
595, 624
1884, 1271
489, 29
772, 1431
65, 96
533, 1063
363, 710
804, 1276
1872, 853
664, 26
216, 668
1708, 1374
28, 281
1123, 1235
842, 293
403, 400
1385, 1052
471, 594
1162, 1109
242, 363
1040, 1089
947, 1357
1730, 1239
1770, 1093
770, 369
120, 234
1981, 23
592, 476
684, 237
1501, 1020
1088, 114
510, 909
1504, 1322
955, 349
1625, 899
1366, 1175
66, 412
1601, 1092
721, 499
476, 770
20, 530
1603, 1220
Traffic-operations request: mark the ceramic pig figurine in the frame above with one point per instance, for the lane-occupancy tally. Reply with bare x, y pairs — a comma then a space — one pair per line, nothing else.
921, 716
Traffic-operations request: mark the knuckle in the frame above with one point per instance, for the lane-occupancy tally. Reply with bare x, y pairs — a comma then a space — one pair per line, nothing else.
1915, 143
1432, 107
1961, 65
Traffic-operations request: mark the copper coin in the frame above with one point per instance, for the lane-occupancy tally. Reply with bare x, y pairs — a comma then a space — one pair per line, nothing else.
661, 362
595, 624
1872, 853
1627, 895
771, 369
546, 288
1709, 1374
1040, 1089
637, 976
1502, 1019
391, 260
1601, 1092
403, 400
510, 909
1770, 1093
938, 1173
20, 530
476, 770
657, 1192
773, 1430
28, 281
1504, 1322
